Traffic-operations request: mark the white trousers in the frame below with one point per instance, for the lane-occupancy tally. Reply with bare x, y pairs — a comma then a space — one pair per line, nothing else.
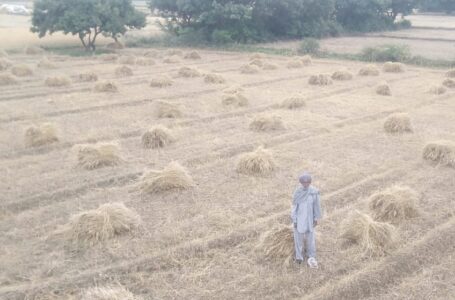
300, 239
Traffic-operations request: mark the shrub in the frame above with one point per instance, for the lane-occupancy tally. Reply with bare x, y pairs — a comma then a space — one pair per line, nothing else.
309, 46
386, 53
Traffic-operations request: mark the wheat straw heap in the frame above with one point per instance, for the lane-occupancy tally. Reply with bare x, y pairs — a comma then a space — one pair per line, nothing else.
266, 123
393, 67
437, 90
257, 56
142, 61
123, 71
6, 79
21, 70
101, 224
43, 134
321, 79
151, 53
269, 66
4, 64
277, 245
214, 78
168, 110
234, 99
157, 137
394, 204
57, 81
258, 162
33, 50
450, 83
441, 152
96, 156
161, 81
374, 238
45, 63
87, 77
256, 62
115, 46
398, 123
106, 87
249, 69
294, 64
383, 89
192, 55
342, 75
449, 74
188, 72
306, 60
127, 60
369, 70
171, 59
293, 103
108, 293
174, 52
109, 57
172, 177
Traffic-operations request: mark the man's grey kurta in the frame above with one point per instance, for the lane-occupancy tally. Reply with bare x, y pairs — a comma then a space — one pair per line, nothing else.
306, 208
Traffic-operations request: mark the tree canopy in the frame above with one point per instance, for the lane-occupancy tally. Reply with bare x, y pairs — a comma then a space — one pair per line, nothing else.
86, 18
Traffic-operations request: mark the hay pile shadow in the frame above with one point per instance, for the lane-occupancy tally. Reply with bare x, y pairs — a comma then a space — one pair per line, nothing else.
192, 55
450, 83
143, 61
249, 69
123, 71
188, 72
437, 90
6, 79
87, 77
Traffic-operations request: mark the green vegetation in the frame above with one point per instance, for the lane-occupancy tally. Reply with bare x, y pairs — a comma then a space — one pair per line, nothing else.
86, 18
447, 6
309, 46
386, 52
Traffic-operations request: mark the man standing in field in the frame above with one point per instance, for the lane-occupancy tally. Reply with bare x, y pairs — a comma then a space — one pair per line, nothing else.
305, 215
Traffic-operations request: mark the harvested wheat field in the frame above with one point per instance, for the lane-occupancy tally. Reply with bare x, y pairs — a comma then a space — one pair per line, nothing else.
157, 186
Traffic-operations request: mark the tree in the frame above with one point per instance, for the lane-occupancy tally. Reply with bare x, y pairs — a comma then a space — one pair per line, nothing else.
403, 7
364, 15
86, 18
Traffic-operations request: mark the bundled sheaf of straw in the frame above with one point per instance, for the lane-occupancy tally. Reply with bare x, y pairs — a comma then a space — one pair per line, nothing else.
161, 82
151, 53
256, 62
43, 134
374, 238
437, 90
293, 103
188, 72
449, 74
127, 60
450, 83
342, 75
87, 77
306, 60
21, 70
142, 61
235, 99
5, 64
109, 293
97, 156
168, 110
6, 79
394, 204
321, 79
393, 67
115, 46
157, 137
369, 70
192, 55
269, 66
249, 69
277, 245
123, 71
398, 123
171, 59
257, 56
441, 152
57, 81
266, 123
45, 63
383, 89
172, 177
258, 162
294, 64
106, 87
98, 225
214, 78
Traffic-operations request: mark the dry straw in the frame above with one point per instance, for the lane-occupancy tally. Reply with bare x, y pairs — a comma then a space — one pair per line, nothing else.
277, 245
115, 46
393, 67
57, 81
441, 152
33, 50
437, 90
172, 177
450, 73
269, 66
97, 156
87, 77
98, 225
369, 70
123, 71
294, 64
127, 60
321, 79
4, 64
172, 59
293, 103
106, 87
258, 162
249, 69
214, 78
394, 204
167, 110
257, 56
256, 62
398, 123
235, 99
43, 134
6, 79
108, 293
383, 89
22, 70
174, 52
142, 61
192, 55
45, 63
450, 83
151, 53
188, 72
157, 137
161, 81
342, 75
109, 57
374, 238
306, 60
266, 123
